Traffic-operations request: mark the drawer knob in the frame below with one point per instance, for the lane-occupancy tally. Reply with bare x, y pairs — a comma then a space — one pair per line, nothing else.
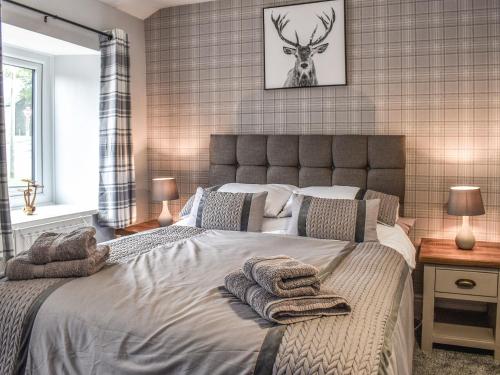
465, 283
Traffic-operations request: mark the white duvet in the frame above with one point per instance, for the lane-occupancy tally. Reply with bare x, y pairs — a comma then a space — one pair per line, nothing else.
393, 237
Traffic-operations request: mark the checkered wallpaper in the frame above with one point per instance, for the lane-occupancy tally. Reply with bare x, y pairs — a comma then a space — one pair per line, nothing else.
426, 69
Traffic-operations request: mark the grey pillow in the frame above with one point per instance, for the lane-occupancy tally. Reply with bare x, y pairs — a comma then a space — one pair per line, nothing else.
334, 219
389, 206
186, 210
242, 212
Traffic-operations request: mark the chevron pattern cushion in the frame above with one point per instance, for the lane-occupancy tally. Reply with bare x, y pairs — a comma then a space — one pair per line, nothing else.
389, 206
242, 212
334, 219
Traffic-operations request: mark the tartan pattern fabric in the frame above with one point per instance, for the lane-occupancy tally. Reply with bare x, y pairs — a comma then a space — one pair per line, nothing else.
427, 69
7, 245
116, 165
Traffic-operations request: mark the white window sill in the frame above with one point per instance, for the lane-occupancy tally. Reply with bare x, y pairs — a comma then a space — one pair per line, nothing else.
48, 214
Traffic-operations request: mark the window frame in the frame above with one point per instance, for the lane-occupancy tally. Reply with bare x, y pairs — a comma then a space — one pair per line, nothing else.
43, 126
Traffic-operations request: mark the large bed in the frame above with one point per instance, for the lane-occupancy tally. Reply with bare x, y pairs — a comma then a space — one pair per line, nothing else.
160, 306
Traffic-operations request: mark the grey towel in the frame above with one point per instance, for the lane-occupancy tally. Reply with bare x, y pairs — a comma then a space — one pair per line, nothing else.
55, 247
283, 276
20, 268
284, 310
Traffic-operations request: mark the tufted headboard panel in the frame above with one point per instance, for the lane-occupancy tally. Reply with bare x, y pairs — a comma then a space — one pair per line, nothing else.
374, 162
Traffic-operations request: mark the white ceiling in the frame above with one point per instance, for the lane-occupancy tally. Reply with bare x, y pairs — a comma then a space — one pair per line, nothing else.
25, 39
144, 8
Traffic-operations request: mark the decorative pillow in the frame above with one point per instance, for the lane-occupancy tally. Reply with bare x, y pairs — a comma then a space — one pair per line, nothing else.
186, 210
331, 192
389, 206
277, 194
334, 219
242, 212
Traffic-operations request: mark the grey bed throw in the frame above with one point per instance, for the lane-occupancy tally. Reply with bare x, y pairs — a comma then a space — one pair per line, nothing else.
371, 278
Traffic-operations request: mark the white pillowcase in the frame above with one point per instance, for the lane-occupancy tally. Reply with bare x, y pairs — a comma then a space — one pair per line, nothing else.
277, 194
329, 192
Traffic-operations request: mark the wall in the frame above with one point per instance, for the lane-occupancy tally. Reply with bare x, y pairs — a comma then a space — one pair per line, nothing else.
76, 129
99, 16
426, 69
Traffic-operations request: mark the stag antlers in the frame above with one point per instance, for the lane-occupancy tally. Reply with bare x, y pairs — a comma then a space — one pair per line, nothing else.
281, 21
327, 22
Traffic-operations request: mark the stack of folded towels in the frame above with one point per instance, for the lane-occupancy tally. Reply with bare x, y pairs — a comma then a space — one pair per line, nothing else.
284, 290
57, 255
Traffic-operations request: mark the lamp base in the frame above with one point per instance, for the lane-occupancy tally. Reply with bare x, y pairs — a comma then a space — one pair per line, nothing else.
165, 219
465, 237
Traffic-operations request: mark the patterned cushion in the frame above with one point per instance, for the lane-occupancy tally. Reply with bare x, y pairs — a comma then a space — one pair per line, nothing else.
186, 210
389, 206
242, 212
334, 219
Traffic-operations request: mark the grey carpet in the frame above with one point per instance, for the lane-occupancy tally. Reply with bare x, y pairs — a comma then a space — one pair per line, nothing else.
454, 360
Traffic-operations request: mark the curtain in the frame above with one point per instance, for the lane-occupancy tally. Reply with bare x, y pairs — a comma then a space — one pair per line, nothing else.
7, 250
116, 164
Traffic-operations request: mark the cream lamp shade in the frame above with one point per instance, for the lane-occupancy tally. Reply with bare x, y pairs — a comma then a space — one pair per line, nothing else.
164, 190
465, 201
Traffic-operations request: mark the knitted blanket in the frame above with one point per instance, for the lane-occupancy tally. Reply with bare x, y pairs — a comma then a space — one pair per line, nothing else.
358, 343
20, 300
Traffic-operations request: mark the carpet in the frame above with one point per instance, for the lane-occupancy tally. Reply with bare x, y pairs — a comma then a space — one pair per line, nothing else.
454, 360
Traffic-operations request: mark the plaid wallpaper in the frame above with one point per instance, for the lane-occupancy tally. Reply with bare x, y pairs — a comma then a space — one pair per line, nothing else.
426, 69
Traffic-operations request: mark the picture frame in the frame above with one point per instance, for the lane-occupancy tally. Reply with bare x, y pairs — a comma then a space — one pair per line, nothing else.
304, 45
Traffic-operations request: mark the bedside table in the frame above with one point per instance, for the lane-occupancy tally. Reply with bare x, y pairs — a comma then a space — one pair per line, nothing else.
137, 228
467, 275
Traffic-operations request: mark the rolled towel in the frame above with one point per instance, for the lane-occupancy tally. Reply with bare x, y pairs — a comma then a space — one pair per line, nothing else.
56, 247
284, 310
283, 276
20, 268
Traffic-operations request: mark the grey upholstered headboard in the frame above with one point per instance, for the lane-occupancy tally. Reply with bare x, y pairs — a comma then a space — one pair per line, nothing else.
371, 162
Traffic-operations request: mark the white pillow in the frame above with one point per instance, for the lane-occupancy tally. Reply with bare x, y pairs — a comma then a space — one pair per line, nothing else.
329, 192
277, 194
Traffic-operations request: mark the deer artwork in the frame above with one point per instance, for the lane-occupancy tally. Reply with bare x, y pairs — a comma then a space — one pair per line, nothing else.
303, 74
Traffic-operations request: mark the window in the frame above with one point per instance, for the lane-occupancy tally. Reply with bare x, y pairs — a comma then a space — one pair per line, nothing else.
27, 123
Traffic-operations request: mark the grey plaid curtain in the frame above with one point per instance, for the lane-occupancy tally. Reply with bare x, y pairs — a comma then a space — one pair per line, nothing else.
116, 165
7, 250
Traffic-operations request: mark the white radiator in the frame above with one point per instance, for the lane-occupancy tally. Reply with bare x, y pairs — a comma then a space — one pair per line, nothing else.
24, 237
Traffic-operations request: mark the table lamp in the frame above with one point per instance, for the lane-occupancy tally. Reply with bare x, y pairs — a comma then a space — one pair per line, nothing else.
164, 190
465, 201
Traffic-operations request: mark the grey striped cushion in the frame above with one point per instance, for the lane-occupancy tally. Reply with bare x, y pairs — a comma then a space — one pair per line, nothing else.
242, 212
389, 206
334, 219
186, 210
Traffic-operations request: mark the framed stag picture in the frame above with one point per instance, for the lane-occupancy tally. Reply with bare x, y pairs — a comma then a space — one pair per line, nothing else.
304, 45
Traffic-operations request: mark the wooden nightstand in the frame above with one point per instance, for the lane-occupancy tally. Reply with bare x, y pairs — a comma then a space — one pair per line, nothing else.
467, 275
136, 228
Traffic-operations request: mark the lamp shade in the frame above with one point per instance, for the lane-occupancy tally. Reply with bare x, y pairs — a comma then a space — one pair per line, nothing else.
465, 201
165, 189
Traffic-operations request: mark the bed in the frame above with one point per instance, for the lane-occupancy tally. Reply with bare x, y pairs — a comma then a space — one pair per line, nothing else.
161, 308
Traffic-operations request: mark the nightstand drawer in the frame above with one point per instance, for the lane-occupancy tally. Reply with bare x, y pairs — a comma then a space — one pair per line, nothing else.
473, 283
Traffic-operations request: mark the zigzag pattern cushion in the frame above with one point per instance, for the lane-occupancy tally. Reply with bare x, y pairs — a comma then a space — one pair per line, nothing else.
186, 210
334, 219
243, 212
389, 206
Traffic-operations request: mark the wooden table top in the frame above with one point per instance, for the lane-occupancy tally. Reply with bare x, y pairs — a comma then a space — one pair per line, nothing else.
139, 227
438, 251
